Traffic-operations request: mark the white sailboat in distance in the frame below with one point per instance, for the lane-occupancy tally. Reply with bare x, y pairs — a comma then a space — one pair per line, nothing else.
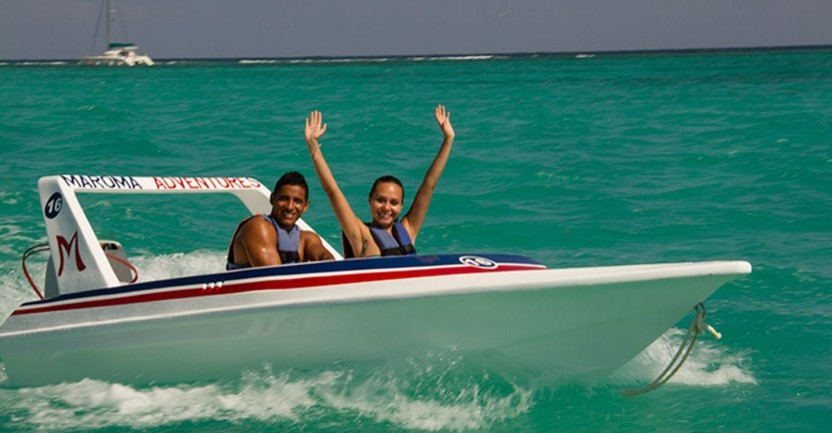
117, 53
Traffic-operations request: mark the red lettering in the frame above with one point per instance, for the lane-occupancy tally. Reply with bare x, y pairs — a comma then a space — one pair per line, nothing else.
203, 184
164, 183
191, 183
233, 181
63, 245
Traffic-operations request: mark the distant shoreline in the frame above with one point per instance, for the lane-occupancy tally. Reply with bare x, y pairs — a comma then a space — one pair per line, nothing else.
475, 56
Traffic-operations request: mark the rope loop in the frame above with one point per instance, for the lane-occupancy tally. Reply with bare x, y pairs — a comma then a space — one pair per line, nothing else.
696, 327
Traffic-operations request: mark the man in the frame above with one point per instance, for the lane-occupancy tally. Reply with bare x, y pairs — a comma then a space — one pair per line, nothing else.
274, 239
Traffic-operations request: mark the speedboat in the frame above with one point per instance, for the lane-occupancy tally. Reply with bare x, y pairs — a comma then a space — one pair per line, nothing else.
507, 313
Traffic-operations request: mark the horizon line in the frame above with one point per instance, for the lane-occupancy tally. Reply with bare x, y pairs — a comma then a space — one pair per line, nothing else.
625, 52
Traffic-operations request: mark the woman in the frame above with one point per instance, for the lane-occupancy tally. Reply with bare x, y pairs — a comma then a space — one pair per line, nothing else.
386, 234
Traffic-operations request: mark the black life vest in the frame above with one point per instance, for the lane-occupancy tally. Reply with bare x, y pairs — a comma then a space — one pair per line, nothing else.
397, 244
288, 243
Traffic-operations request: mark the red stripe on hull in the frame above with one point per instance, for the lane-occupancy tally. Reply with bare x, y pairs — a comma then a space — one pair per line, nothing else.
280, 284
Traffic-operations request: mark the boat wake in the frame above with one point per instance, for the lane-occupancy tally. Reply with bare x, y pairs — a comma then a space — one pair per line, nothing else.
435, 392
164, 266
17, 289
427, 397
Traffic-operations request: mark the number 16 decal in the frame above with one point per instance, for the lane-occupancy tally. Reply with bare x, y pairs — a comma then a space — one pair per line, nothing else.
53, 205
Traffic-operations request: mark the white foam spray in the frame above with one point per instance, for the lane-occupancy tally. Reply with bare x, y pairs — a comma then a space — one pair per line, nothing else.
267, 397
711, 363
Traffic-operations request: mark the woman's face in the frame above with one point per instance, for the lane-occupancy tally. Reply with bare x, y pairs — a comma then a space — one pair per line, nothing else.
386, 203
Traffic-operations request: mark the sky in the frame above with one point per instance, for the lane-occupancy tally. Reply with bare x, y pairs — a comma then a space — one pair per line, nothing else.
165, 29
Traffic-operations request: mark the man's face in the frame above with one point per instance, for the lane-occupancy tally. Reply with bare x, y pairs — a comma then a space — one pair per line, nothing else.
288, 204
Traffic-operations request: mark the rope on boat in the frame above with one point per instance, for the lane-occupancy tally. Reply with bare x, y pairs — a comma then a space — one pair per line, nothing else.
45, 247
696, 327
129, 265
32, 250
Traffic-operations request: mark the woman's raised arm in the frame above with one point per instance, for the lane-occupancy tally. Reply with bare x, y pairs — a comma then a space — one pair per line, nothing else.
352, 227
419, 209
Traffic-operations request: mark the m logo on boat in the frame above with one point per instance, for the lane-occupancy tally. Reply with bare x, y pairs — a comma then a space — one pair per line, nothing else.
64, 245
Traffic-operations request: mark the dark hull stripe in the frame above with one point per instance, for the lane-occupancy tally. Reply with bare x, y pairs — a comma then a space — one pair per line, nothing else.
299, 282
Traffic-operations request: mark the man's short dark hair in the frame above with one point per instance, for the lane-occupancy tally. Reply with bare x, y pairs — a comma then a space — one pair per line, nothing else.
292, 178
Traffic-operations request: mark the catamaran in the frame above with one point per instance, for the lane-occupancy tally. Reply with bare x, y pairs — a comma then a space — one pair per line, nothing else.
117, 53
507, 313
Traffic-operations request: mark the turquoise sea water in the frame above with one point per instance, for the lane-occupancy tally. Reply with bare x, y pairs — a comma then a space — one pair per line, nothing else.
607, 160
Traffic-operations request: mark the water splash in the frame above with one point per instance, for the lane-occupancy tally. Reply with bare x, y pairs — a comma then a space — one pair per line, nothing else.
290, 398
433, 392
710, 363
93, 404
15, 288
158, 267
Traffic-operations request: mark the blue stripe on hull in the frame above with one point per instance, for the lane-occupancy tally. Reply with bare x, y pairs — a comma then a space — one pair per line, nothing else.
298, 269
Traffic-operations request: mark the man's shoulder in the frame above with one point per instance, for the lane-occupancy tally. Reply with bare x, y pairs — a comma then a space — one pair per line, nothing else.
256, 224
309, 235
256, 217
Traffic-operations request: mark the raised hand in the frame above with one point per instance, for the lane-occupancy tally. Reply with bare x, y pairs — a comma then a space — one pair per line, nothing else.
443, 118
315, 128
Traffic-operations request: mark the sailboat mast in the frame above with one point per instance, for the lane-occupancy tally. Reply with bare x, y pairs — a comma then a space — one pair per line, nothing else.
115, 53
110, 18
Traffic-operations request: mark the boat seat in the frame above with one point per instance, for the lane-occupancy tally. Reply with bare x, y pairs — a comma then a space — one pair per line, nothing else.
111, 249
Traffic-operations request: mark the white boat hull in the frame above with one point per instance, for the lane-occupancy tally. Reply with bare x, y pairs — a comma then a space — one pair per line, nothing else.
116, 60
546, 325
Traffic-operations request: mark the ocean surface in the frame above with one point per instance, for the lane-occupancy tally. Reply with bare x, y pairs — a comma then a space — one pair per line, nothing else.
572, 160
